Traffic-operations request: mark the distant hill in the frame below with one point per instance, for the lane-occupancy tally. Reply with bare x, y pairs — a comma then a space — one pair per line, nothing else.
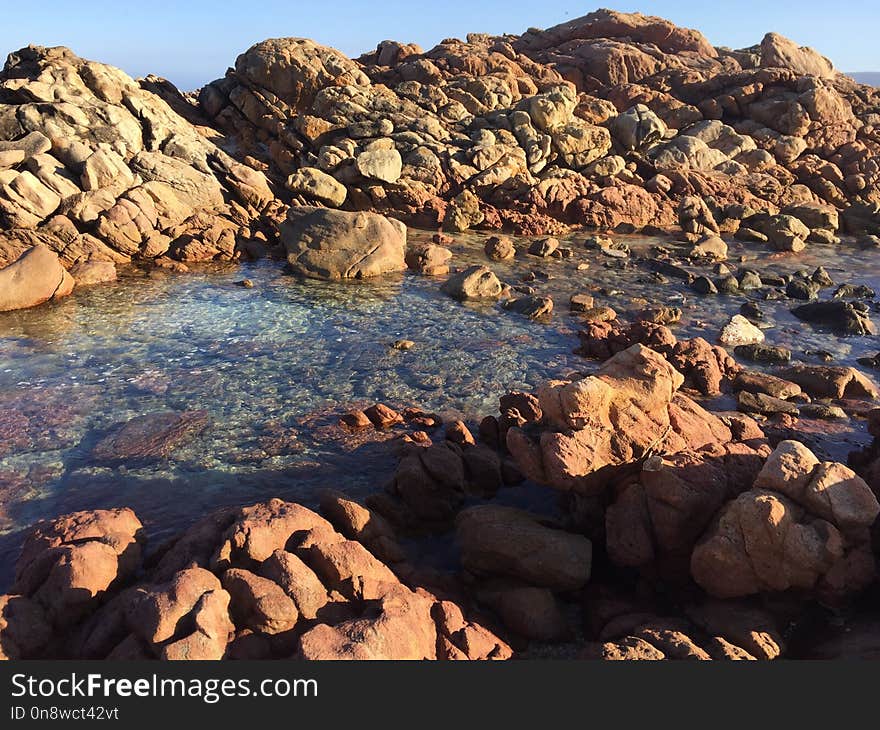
867, 77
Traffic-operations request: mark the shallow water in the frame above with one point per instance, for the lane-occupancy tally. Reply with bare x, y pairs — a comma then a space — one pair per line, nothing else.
272, 364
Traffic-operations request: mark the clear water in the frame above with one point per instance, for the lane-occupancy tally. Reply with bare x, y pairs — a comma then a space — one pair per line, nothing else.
274, 365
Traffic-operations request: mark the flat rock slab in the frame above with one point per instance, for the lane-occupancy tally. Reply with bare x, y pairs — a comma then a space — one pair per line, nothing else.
149, 437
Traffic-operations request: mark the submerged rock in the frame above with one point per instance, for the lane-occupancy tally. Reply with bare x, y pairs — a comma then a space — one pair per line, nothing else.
149, 437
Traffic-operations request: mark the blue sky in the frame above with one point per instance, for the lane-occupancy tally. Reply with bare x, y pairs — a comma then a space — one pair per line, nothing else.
194, 41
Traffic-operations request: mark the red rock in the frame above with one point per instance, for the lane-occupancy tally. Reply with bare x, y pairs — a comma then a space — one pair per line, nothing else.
361, 523
261, 529
503, 541
24, 628
68, 564
355, 421
397, 625
258, 603
297, 580
382, 417
151, 436
458, 433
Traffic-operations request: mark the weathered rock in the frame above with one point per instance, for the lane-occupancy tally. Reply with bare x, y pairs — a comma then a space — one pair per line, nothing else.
36, 277
332, 244
68, 564
476, 282
503, 541
148, 437
317, 185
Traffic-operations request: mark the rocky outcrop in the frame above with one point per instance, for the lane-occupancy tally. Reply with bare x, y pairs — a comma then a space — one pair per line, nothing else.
99, 167
271, 580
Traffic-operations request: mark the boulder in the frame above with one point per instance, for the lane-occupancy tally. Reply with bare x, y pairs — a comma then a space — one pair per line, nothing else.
503, 541
36, 277
334, 244
317, 185
475, 282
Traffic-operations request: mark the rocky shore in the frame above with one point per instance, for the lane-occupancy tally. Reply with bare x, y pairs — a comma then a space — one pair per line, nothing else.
699, 514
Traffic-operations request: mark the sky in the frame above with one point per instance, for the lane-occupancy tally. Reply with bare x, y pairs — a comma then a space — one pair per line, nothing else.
191, 42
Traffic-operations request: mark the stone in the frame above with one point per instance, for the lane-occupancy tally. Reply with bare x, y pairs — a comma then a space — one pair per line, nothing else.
149, 437
429, 259
332, 244
89, 273
499, 248
68, 564
37, 276
739, 331
380, 164
828, 381
842, 317
759, 352
475, 282
317, 185
543, 247
507, 542
532, 307
258, 603
297, 580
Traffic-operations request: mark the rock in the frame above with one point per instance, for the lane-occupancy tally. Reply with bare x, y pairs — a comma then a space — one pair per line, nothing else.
332, 244
758, 352
259, 530
355, 421
761, 544
777, 50
842, 317
68, 564
186, 618
580, 302
149, 437
398, 625
475, 282
739, 331
361, 523
531, 612
826, 381
543, 247
704, 285
317, 185
764, 404
711, 247
89, 273
429, 260
503, 541
821, 411
636, 128
258, 603
694, 216
380, 164
383, 417
24, 628
499, 248
35, 277
755, 382
297, 580
804, 289
458, 433
532, 307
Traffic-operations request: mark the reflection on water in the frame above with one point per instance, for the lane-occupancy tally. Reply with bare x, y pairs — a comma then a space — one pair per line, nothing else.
263, 361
